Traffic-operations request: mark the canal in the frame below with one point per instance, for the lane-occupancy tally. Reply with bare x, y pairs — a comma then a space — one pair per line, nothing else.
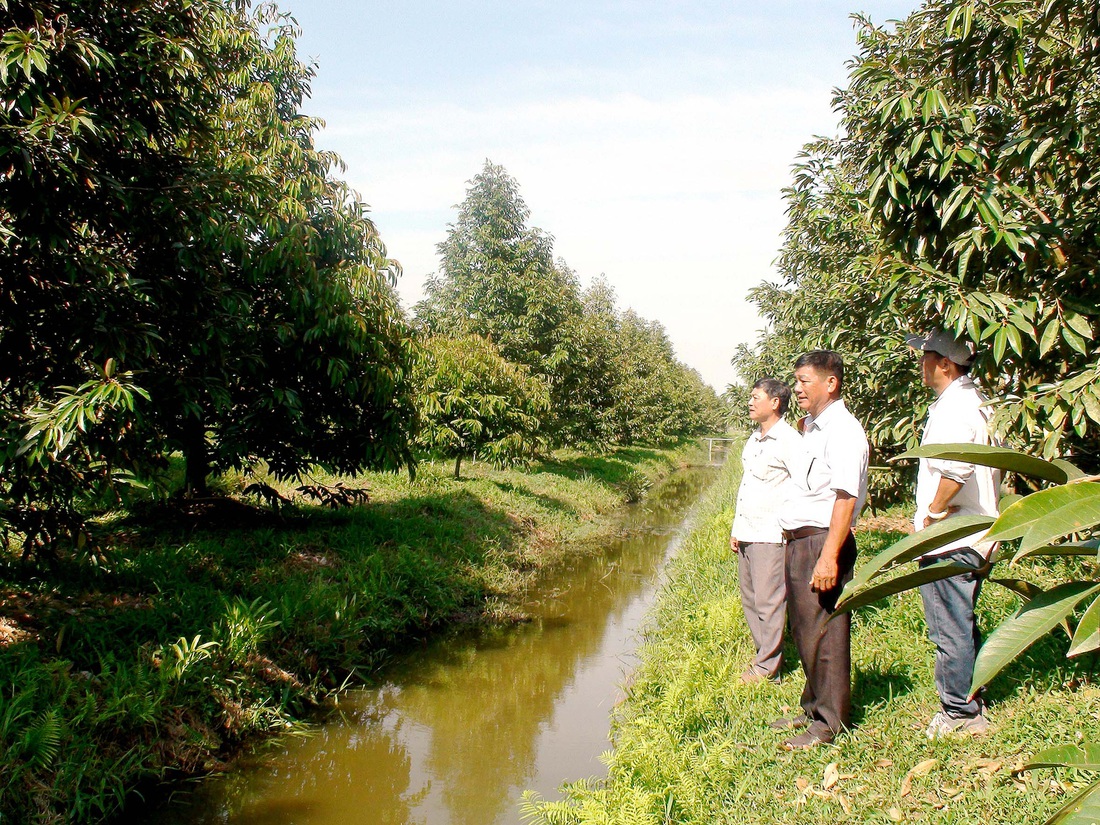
460, 728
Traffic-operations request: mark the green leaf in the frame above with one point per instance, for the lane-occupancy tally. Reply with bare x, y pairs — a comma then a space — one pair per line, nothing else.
1083, 809
1040, 150
1017, 520
1074, 340
1030, 623
1079, 324
1000, 343
1002, 458
1050, 336
1073, 472
1070, 548
1077, 515
1021, 587
915, 578
915, 545
1084, 757
1086, 638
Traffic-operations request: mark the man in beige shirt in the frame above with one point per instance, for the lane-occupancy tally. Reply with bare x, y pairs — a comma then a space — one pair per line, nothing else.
756, 535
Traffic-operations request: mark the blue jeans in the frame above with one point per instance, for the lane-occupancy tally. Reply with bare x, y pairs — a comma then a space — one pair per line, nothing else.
953, 628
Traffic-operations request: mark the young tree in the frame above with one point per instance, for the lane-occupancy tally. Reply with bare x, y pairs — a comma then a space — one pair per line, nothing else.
475, 403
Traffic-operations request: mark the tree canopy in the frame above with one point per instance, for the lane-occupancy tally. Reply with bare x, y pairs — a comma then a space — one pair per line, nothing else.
961, 193
182, 271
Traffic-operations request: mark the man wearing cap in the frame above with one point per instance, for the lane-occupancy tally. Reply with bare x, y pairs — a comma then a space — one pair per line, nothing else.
755, 534
946, 489
830, 486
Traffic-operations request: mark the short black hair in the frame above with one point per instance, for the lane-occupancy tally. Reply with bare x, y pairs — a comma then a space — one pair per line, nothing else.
823, 360
775, 389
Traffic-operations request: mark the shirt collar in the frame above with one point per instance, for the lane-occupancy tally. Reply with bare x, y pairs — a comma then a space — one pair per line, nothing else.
773, 432
834, 408
963, 382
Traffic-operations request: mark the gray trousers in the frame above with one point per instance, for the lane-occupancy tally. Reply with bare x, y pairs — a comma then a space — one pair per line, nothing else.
825, 647
952, 627
764, 600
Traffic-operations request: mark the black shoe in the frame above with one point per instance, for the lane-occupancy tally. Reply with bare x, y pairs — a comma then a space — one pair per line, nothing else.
790, 723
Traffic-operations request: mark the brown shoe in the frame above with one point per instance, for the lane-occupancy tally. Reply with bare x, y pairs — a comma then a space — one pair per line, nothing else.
807, 740
751, 676
791, 722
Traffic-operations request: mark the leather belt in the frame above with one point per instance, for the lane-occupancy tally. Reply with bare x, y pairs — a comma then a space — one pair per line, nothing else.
803, 532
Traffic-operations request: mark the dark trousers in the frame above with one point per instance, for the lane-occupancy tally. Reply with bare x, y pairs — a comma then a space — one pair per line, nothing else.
825, 647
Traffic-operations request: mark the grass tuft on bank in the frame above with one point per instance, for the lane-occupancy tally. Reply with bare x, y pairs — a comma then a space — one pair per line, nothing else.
195, 627
692, 745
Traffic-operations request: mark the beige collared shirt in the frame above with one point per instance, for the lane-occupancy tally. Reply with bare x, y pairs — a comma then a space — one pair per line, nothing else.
765, 483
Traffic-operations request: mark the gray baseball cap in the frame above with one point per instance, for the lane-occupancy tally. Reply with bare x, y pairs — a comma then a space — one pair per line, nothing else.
943, 343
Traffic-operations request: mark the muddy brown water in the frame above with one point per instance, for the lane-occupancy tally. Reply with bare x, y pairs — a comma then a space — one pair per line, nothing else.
458, 729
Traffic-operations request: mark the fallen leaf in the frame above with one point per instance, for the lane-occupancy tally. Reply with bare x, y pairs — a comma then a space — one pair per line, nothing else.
831, 777
923, 768
844, 803
895, 814
802, 783
883, 763
920, 769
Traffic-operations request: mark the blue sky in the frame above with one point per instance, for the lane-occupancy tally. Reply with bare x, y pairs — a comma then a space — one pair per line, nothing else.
651, 139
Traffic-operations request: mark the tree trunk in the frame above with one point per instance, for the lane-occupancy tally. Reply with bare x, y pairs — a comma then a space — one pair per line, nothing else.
196, 456
458, 465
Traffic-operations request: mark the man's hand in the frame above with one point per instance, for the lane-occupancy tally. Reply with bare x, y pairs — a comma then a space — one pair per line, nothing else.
735, 545
825, 575
929, 521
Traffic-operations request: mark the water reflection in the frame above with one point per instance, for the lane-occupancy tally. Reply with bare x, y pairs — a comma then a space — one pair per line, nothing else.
464, 726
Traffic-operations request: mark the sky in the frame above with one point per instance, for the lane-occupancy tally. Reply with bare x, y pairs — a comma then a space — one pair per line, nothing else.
652, 140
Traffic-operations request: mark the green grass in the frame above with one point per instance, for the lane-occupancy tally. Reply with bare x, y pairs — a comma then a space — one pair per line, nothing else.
157, 655
692, 746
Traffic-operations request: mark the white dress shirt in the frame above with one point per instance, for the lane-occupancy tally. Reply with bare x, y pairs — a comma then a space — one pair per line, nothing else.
834, 459
765, 483
958, 417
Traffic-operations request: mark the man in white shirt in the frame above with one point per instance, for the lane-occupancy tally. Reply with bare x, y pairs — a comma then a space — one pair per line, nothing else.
946, 489
829, 489
756, 535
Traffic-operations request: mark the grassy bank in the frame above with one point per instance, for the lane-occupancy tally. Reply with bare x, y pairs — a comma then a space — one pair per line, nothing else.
692, 744
194, 627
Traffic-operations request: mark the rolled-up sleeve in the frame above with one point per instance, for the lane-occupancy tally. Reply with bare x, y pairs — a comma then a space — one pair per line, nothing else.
952, 430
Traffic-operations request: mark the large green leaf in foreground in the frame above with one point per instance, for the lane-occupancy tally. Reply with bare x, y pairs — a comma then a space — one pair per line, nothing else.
1001, 458
1080, 514
914, 578
1020, 518
1032, 621
913, 546
1084, 809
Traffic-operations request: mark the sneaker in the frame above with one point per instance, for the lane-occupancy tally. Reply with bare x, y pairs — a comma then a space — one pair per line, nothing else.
943, 725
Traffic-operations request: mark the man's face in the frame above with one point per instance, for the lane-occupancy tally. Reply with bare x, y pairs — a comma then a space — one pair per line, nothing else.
814, 390
762, 405
935, 371
928, 362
